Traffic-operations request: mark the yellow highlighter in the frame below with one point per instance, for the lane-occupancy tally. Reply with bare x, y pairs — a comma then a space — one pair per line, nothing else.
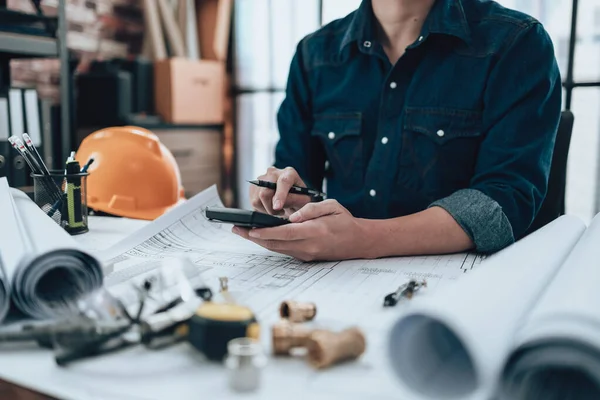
75, 222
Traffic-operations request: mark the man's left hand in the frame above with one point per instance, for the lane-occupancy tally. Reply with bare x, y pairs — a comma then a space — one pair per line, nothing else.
318, 231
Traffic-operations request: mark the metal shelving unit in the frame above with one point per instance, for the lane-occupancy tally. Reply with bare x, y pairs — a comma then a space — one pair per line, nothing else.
20, 46
14, 45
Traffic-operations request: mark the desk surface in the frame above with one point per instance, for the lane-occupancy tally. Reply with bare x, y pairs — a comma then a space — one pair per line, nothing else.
180, 372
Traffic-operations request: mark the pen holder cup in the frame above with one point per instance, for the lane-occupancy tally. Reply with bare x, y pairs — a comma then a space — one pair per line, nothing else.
63, 197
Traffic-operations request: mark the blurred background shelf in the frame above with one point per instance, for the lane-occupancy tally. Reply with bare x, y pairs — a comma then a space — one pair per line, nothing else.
16, 45
20, 42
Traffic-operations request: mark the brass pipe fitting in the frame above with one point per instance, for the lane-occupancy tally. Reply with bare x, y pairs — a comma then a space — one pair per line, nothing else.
297, 312
287, 336
326, 348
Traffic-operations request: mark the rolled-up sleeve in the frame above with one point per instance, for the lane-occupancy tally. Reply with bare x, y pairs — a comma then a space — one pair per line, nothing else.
522, 105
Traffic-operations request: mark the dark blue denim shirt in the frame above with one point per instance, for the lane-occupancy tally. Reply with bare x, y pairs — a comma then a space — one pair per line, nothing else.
466, 119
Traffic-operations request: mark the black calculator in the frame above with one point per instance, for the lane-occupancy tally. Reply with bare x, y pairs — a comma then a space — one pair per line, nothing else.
244, 218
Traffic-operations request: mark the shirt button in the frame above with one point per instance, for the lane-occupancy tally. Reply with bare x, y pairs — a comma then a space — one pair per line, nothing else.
372, 193
440, 133
331, 135
420, 38
393, 85
384, 140
367, 43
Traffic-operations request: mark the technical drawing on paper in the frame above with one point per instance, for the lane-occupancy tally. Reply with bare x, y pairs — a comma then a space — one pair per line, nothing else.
261, 279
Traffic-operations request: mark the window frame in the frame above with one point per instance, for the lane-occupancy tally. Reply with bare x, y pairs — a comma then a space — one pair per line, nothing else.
569, 83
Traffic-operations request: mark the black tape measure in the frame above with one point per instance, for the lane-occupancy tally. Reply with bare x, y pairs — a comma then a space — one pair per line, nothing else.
215, 324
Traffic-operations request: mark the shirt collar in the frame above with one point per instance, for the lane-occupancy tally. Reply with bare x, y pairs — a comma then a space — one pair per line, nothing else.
361, 25
447, 17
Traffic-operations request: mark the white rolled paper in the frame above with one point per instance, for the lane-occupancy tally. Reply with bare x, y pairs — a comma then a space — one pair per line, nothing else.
452, 344
44, 269
557, 350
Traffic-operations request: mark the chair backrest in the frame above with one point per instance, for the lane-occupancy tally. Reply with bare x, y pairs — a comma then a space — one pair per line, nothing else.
553, 205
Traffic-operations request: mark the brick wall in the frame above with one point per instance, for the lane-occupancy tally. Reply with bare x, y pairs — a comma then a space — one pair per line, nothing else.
96, 29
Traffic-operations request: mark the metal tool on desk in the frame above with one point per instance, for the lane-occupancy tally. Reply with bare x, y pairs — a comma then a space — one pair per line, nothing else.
169, 325
104, 325
72, 332
92, 345
406, 291
126, 334
207, 325
194, 316
99, 327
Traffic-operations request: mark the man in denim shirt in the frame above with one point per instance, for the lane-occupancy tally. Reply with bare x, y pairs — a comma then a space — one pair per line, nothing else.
433, 123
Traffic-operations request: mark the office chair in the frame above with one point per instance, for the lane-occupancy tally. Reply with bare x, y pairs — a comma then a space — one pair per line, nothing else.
553, 205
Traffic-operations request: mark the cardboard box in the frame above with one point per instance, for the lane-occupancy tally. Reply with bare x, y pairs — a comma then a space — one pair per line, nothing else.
193, 92
190, 92
198, 155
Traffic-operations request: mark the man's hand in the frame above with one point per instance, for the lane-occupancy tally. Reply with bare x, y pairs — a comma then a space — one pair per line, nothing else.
319, 231
280, 201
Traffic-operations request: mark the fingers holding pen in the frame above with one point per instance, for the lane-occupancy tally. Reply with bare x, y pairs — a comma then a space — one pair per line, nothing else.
265, 196
287, 178
271, 193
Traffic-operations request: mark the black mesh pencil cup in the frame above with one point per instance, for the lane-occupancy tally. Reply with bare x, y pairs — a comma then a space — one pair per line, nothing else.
63, 197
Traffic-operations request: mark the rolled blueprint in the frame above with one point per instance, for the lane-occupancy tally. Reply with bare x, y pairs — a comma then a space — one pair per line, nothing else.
453, 343
46, 270
557, 349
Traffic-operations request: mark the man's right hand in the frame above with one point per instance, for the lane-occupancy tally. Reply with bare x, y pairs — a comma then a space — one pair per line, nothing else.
280, 201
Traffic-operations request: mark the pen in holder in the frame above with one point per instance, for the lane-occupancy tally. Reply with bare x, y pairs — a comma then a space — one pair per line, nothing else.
62, 195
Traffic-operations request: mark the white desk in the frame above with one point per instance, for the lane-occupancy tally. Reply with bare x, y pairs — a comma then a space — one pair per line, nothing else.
181, 373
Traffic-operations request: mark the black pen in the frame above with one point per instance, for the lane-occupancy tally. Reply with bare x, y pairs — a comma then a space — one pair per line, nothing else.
293, 189
87, 166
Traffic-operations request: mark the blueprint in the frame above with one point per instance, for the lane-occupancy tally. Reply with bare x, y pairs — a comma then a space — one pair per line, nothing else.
348, 290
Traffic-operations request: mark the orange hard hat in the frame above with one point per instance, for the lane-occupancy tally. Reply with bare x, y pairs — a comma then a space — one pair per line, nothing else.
133, 174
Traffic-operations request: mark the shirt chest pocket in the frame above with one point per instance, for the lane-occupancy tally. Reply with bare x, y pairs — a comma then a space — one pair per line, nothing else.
340, 134
439, 149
